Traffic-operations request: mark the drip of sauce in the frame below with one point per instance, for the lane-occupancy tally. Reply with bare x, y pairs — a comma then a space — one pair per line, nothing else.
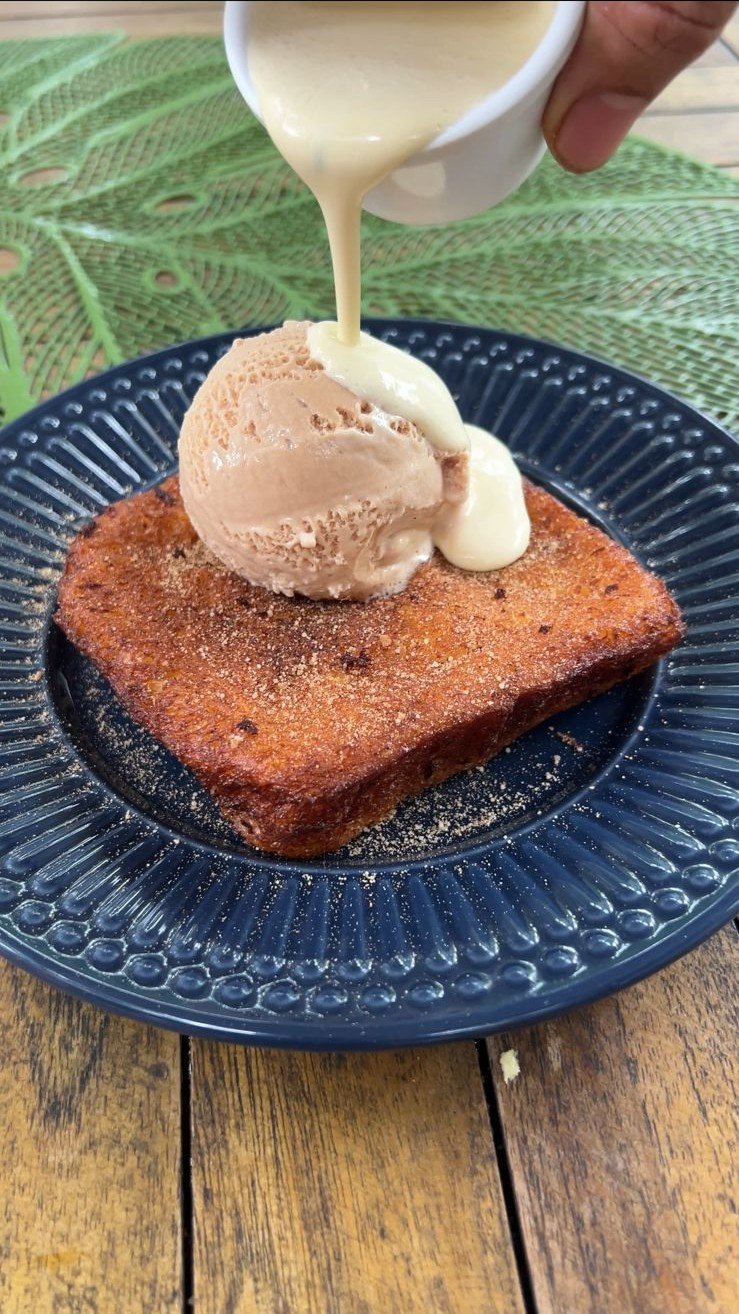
393, 381
491, 527
349, 92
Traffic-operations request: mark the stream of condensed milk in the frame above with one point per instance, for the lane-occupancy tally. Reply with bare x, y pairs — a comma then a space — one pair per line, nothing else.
348, 93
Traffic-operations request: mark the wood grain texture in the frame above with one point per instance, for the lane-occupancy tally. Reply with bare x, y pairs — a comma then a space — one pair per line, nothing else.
89, 8
712, 136
89, 1147
700, 89
346, 1184
141, 18
731, 34
136, 21
716, 55
622, 1137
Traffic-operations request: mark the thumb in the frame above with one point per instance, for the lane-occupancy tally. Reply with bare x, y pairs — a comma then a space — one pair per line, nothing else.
625, 55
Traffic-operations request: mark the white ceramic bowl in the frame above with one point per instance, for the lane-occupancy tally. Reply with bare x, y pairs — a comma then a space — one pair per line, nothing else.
474, 163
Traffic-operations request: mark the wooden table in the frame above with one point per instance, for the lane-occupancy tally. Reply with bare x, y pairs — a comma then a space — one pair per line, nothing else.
146, 1174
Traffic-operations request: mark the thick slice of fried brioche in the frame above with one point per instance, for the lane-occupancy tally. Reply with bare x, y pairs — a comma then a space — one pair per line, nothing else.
308, 721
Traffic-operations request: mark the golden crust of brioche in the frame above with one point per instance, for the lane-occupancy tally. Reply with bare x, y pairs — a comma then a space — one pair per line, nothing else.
309, 721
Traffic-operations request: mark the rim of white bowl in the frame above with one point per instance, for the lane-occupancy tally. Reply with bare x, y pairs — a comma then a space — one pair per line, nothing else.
558, 38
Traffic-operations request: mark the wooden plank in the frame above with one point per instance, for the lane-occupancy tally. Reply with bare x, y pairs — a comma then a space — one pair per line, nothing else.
700, 89
191, 21
87, 8
89, 1147
141, 18
712, 137
153, 18
731, 34
346, 1184
716, 55
621, 1133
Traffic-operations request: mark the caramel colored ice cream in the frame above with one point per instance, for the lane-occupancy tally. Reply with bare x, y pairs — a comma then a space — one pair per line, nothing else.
298, 485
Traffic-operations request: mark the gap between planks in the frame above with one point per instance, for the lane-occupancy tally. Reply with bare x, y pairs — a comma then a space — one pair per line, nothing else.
621, 1132
347, 1184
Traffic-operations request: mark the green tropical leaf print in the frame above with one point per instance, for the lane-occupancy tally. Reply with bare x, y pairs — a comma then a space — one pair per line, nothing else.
141, 204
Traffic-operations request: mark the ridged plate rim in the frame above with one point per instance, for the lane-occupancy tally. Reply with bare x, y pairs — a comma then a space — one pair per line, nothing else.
498, 1010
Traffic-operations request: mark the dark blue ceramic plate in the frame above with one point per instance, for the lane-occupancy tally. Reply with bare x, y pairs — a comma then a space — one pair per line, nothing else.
594, 851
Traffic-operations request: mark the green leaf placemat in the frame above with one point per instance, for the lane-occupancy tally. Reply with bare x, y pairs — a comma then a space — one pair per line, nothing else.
141, 205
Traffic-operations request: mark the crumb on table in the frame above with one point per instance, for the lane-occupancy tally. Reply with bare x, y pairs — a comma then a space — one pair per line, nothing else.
509, 1065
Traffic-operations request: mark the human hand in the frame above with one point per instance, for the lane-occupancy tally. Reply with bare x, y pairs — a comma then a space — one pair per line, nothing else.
626, 54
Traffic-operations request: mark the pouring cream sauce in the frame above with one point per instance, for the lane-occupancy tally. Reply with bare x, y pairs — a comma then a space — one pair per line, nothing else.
349, 92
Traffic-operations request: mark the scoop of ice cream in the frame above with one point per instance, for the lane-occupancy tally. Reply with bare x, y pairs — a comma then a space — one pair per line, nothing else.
297, 484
